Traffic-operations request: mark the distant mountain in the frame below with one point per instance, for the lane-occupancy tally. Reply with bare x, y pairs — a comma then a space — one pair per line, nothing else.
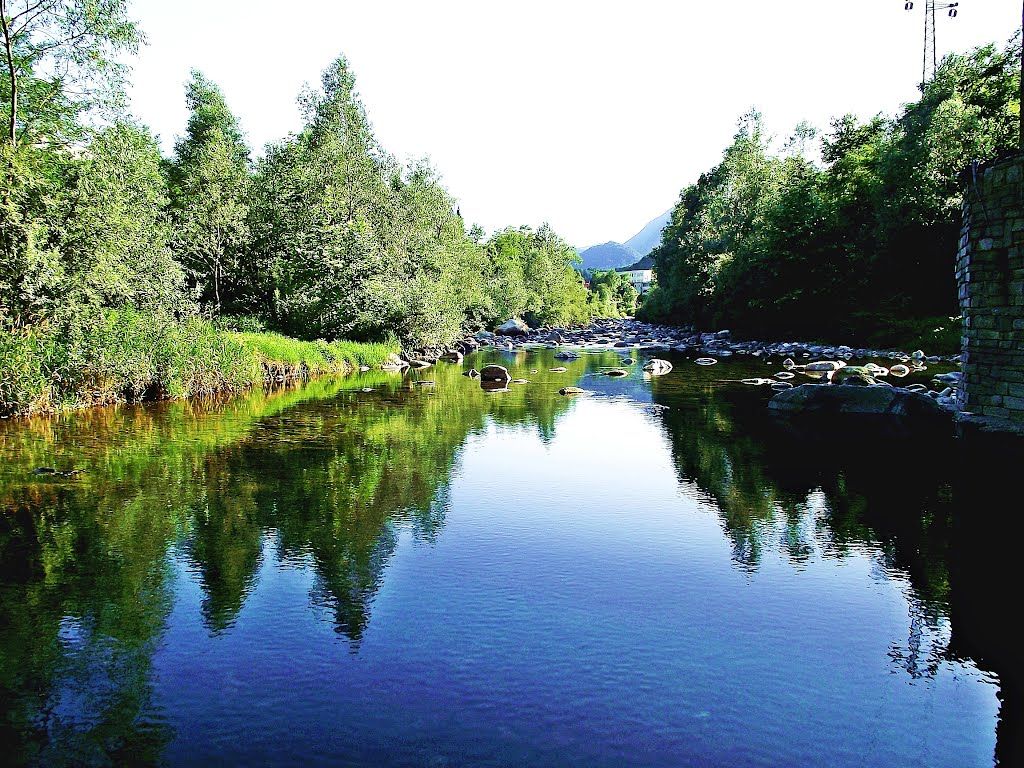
609, 255
647, 262
648, 238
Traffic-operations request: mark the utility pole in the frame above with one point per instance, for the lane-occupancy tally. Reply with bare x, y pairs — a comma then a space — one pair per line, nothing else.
931, 7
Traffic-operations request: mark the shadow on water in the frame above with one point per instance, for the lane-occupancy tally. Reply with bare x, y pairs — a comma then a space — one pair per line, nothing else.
938, 511
331, 472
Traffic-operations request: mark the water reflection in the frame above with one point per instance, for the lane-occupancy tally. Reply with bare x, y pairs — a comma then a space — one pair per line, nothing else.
327, 477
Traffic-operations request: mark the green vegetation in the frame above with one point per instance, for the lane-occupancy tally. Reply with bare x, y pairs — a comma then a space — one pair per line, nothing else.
858, 247
613, 293
128, 355
111, 256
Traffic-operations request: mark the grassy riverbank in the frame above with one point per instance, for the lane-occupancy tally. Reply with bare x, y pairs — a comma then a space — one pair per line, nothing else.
126, 356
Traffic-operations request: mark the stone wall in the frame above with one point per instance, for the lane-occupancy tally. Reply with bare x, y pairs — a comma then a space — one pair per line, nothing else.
990, 280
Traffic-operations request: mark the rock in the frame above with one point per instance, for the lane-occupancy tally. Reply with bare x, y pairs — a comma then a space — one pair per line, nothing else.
892, 402
917, 355
567, 354
419, 364
559, 369
852, 375
616, 372
824, 366
364, 368
572, 391
785, 375
627, 361
656, 367
520, 381
451, 357
706, 361
393, 363
494, 373
899, 370
788, 363
513, 327
473, 373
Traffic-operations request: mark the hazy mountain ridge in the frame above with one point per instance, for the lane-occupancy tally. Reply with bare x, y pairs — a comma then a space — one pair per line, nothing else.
615, 255
648, 238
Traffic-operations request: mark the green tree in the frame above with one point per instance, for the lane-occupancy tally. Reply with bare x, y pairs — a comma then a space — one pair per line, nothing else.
210, 181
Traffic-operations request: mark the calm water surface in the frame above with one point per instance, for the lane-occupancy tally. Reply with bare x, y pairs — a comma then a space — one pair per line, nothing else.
377, 572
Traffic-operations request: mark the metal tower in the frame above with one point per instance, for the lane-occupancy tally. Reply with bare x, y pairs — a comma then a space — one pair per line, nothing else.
931, 8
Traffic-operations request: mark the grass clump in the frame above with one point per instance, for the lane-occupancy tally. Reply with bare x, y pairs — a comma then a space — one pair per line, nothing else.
126, 356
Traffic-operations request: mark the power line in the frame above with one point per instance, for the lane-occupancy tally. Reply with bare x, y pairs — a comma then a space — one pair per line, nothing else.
931, 9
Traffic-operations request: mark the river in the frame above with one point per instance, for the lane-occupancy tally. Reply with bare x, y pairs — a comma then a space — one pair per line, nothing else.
373, 571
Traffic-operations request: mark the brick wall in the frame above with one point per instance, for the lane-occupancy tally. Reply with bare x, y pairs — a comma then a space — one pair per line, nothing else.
990, 279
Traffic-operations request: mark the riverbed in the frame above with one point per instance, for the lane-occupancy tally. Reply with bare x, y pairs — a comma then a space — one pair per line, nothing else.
406, 569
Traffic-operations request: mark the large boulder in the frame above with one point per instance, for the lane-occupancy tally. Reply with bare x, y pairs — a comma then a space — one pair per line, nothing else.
844, 399
494, 373
514, 327
656, 367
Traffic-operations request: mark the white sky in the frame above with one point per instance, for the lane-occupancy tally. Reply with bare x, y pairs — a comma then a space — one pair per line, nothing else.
590, 115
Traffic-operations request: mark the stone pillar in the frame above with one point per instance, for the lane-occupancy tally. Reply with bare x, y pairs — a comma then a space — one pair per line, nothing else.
990, 280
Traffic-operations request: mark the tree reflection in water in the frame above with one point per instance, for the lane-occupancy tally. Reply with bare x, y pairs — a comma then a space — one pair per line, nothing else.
327, 475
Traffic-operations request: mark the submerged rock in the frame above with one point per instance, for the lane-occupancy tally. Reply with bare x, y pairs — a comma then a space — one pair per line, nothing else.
615, 372
844, 399
451, 357
572, 391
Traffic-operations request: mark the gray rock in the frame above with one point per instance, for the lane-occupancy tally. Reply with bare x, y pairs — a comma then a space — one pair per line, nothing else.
892, 402
656, 367
513, 327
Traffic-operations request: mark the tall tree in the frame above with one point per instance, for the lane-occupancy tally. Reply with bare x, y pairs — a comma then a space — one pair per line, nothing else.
210, 179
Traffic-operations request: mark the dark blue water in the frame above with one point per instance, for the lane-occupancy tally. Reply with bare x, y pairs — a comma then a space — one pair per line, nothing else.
434, 575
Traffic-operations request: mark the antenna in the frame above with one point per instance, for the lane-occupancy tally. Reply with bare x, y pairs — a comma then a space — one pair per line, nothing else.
931, 8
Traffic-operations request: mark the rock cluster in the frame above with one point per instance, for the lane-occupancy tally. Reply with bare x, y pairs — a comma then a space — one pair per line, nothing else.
824, 362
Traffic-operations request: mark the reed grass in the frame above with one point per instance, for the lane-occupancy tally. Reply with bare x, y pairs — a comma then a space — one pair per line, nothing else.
128, 356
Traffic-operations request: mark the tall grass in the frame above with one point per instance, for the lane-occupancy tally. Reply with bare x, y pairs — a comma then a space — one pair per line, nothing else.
127, 355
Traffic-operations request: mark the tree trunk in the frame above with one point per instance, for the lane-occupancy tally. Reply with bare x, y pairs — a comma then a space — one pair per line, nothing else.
12, 123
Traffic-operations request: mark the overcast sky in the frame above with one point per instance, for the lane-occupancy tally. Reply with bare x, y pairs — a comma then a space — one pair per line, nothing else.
589, 115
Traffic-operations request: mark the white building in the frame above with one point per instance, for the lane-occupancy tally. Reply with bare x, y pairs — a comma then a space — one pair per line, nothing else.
640, 278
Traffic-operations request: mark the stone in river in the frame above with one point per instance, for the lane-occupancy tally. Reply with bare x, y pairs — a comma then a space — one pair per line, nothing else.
656, 367
513, 327
494, 373
889, 402
571, 391
824, 366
